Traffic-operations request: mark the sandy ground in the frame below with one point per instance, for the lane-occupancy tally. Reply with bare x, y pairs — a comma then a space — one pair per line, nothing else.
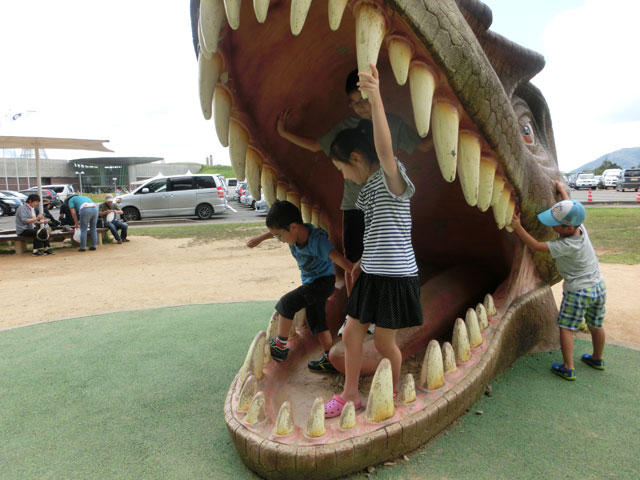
148, 272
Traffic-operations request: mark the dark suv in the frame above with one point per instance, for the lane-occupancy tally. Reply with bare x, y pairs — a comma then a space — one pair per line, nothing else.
628, 178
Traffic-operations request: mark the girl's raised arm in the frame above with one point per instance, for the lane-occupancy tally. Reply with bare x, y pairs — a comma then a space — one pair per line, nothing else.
369, 83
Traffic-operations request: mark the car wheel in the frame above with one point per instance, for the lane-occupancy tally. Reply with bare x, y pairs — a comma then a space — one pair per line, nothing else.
130, 214
253, 205
204, 211
1, 211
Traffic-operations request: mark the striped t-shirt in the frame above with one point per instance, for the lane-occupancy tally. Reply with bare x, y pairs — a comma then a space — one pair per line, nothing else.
387, 227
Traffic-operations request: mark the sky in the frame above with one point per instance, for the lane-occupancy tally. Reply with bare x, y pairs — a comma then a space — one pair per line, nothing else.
126, 71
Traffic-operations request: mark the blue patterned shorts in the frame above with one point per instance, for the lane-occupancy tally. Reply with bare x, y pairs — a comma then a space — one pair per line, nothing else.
587, 303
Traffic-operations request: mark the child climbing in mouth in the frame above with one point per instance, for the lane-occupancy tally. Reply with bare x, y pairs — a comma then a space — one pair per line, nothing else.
315, 254
387, 292
402, 136
584, 292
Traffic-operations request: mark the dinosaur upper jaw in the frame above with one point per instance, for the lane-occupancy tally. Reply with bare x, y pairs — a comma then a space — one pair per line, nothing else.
476, 173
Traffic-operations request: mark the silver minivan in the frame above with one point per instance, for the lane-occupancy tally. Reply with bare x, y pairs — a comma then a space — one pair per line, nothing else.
175, 196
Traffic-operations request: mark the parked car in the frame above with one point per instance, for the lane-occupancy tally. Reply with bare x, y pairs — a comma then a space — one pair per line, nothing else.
609, 178
628, 178
179, 195
572, 180
8, 205
232, 183
54, 200
261, 206
63, 191
241, 188
10, 193
586, 180
247, 198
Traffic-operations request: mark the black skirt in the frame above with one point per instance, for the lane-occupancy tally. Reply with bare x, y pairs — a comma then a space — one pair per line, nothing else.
387, 302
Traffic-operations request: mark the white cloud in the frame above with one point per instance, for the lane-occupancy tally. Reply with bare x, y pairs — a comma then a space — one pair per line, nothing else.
121, 70
590, 80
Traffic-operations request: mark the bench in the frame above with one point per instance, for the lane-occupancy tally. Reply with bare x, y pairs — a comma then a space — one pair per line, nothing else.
20, 243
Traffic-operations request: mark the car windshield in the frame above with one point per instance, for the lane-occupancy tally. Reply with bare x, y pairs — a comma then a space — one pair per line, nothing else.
632, 173
586, 175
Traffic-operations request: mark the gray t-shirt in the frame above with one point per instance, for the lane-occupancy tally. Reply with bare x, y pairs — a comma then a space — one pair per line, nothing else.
576, 261
402, 136
24, 213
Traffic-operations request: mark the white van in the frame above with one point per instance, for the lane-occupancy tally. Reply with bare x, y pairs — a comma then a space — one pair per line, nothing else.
610, 178
63, 191
176, 196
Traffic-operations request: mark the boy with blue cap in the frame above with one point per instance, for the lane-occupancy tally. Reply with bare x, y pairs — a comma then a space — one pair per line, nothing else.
584, 292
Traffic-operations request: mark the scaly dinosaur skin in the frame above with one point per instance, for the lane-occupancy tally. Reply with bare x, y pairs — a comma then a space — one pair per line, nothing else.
462, 250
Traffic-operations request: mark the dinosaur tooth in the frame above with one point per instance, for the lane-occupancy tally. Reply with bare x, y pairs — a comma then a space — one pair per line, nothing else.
232, 7
281, 191
210, 21
336, 10
370, 31
489, 305
460, 341
473, 328
448, 358
272, 332
469, 149
247, 392
284, 422
305, 210
481, 313
380, 401
293, 197
257, 410
299, 10
407, 390
254, 361
400, 54
348, 416
269, 184
500, 208
222, 113
254, 161
487, 174
315, 216
432, 372
208, 73
498, 186
261, 8
509, 213
238, 143
446, 119
422, 85
201, 48
315, 421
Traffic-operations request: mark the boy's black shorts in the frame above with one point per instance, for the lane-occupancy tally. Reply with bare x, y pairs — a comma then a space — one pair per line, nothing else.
311, 296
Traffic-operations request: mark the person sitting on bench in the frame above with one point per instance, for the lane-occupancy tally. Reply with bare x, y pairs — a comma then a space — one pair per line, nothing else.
27, 223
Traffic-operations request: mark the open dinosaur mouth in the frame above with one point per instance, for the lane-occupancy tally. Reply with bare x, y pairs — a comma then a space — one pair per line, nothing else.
255, 62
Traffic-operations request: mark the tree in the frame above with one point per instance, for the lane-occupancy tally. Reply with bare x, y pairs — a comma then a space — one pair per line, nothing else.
604, 166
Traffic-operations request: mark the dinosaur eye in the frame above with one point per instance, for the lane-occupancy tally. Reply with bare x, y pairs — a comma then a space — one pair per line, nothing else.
527, 134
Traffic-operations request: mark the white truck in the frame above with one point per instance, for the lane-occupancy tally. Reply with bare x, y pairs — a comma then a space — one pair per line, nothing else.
586, 180
610, 178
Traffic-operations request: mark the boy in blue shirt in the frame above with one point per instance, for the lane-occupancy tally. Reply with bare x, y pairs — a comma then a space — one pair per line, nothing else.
315, 254
585, 293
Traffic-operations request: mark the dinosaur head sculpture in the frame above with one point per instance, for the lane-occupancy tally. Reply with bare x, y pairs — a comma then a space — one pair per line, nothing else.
445, 72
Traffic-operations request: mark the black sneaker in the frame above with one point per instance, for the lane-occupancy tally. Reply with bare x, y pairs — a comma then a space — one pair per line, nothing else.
48, 251
38, 253
322, 365
277, 353
92, 248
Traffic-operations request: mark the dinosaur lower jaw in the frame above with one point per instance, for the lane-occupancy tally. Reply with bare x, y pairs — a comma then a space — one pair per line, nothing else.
459, 236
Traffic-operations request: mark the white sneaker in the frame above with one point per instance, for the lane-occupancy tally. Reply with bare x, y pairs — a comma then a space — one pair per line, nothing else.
372, 328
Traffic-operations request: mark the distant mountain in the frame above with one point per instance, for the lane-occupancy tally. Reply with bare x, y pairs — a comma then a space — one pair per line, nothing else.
626, 158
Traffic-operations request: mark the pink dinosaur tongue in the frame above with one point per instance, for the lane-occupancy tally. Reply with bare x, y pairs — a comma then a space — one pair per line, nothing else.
444, 297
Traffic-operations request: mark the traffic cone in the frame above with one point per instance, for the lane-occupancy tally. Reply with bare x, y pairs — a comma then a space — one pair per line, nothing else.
638, 195
589, 197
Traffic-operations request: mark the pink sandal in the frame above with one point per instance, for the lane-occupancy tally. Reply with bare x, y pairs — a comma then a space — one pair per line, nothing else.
333, 408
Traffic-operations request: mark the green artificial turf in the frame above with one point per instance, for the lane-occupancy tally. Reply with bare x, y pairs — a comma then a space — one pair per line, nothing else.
140, 395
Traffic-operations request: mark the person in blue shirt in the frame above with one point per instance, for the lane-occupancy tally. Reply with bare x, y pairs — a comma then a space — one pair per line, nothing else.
85, 215
315, 255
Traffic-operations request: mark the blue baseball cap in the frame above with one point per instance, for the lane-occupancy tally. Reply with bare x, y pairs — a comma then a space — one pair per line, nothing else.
566, 212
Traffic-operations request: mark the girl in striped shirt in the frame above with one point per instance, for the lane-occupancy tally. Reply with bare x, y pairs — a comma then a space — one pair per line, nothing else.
387, 292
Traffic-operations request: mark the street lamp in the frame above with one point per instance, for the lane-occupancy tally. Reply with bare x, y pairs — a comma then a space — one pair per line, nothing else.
115, 179
80, 173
